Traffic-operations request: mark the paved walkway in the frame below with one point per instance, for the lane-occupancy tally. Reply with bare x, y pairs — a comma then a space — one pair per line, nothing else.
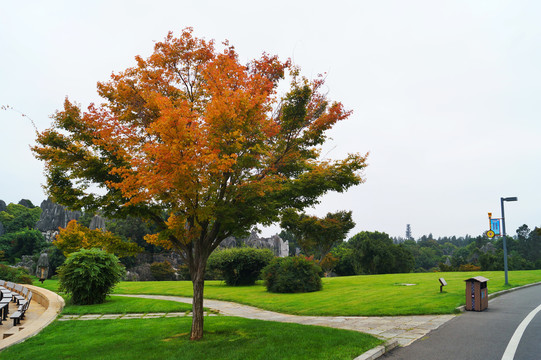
403, 329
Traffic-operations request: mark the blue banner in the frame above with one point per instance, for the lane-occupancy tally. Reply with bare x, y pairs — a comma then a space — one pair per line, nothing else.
495, 226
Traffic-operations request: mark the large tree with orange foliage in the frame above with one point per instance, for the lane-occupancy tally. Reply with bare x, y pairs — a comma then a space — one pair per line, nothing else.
200, 144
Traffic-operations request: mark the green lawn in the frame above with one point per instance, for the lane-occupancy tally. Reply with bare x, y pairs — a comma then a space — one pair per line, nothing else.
168, 338
125, 305
236, 338
352, 295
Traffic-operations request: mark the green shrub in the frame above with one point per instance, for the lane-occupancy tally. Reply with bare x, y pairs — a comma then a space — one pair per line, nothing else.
240, 266
292, 274
17, 275
89, 275
162, 271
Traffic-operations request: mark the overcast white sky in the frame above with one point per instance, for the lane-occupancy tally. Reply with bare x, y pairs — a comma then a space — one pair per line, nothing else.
445, 94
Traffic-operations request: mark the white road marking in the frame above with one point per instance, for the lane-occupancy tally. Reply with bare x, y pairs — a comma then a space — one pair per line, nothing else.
511, 349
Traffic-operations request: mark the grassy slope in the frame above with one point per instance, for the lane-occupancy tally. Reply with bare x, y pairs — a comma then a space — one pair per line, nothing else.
167, 338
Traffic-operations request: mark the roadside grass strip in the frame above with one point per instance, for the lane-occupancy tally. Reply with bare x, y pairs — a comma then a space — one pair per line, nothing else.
225, 337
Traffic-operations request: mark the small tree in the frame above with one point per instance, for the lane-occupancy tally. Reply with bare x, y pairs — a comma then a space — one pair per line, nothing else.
89, 275
317, 236
375, 253
76, 236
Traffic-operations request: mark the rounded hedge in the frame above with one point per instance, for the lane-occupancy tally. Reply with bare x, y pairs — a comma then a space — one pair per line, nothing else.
89, 275
292, 274
240, 266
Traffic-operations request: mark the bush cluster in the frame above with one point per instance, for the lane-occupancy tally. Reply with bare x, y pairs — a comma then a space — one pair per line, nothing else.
17, 275
89, 275
240, 266
292, 274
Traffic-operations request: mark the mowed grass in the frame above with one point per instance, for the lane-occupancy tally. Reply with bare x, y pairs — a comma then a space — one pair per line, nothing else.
168, 338
368, 295
127, 305
374, 295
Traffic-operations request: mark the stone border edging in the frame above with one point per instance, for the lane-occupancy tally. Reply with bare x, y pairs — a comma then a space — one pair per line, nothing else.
378, 351
53, 304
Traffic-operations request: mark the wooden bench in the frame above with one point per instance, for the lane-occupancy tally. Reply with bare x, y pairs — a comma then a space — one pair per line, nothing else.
4, 311
22, 296
18, 315
6, 294
27, 300
17, 289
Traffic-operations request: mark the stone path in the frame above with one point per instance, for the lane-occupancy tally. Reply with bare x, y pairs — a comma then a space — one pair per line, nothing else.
128, 316
403, 329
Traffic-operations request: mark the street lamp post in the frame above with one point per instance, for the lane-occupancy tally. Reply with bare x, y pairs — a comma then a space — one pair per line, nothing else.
514, 198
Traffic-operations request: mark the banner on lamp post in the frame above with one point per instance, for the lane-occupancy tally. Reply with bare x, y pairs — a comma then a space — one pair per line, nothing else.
495, 226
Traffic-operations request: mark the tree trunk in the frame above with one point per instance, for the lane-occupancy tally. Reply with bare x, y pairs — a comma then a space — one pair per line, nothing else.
197, 303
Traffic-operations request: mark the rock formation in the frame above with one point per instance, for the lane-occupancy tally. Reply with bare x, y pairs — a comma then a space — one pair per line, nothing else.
275, 243
54, 216
42, 267
488, 248
28, 263
97, 222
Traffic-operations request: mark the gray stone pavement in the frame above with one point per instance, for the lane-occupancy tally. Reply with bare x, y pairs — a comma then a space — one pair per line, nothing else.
403, 329
127, 316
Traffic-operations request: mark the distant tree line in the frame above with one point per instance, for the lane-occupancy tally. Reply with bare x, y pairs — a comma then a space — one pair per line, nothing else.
378, 253
19, 236
322, 239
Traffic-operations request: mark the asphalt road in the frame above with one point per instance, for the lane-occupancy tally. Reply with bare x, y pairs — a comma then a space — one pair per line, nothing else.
483, 335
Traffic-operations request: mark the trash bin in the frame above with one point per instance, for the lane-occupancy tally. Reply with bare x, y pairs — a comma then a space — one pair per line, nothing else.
476, 293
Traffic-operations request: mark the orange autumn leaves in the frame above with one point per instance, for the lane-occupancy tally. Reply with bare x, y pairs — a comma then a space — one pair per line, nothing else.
193, 131
75, 237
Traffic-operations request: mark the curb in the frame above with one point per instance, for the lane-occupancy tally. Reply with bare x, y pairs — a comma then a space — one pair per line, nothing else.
378, 351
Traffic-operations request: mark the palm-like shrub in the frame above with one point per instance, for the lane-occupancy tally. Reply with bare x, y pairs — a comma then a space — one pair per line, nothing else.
89, 275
